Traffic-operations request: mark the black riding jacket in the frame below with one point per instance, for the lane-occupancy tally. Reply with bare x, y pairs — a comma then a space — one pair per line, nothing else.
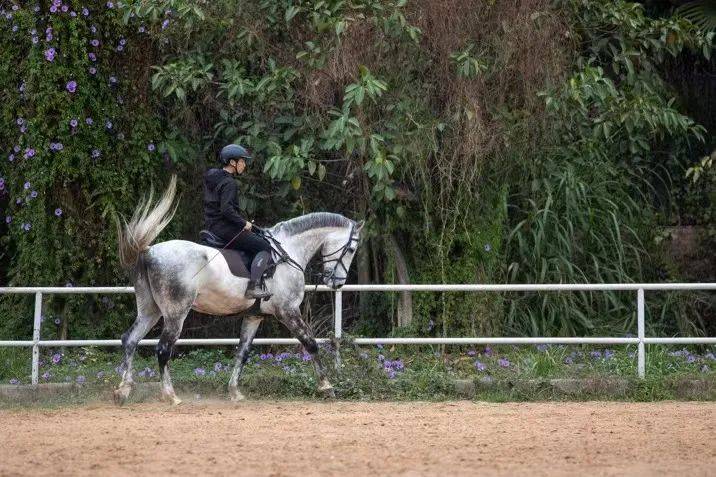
221, 214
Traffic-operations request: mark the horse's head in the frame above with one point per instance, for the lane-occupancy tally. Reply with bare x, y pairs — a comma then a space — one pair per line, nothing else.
337, 254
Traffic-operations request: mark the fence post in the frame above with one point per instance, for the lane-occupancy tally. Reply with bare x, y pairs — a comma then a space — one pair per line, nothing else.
338, 324
641, 359
36, 339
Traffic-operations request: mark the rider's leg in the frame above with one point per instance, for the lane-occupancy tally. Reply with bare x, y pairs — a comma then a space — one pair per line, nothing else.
261, 249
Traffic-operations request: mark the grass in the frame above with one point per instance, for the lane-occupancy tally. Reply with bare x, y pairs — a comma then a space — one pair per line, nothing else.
505, 373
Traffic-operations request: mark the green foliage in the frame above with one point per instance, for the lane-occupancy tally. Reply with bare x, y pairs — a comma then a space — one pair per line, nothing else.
583, 215
78, 149
432, 132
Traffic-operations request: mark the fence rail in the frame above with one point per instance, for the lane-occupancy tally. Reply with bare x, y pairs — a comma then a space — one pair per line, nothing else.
640, 340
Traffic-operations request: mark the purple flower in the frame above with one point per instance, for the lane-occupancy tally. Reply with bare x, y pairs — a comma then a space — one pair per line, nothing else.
50, 54
56, 358
26, 185
16, 148
691, 359
93, 29
33, 194
122, 41
92, 70
596, 354
504, 362
21, 88
35, 40
46, 375
488, 351
218, 367
19, 121
487, 247
542, 348
64, 8
73, 14
141, 29
480, 366
151, 147
199, 371
165, 23
110, 5
57, 321
89, 121
306, 357
80, 379
18, 201
96, 153
92, 56
53, 9
568, 360
364, 355
14, 382
112, 80
58, 212
471, 352
8, 219
94, 42
120, 48
108, 124
11, 157
710, 356
381, 358
71, 86
73, 122
85, 12
100, 375
608, 354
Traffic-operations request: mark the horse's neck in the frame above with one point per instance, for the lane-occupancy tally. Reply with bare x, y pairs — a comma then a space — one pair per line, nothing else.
302, 247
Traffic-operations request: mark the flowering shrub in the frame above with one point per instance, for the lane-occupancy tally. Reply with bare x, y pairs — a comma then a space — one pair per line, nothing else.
76, 144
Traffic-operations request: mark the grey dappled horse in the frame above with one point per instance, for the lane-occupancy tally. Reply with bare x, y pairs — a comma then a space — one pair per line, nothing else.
173, 277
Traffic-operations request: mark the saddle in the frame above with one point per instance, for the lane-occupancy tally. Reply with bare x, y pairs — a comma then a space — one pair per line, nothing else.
239, 261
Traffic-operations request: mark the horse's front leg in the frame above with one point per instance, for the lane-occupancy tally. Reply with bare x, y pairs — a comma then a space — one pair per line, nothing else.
249, 327
300, 330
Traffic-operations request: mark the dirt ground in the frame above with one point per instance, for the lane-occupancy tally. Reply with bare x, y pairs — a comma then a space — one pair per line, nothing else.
350, 438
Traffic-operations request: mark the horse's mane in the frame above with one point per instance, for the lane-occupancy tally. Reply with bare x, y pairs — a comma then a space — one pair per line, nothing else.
314, 220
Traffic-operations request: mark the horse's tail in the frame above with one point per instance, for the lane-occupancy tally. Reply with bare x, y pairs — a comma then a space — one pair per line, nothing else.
146, 224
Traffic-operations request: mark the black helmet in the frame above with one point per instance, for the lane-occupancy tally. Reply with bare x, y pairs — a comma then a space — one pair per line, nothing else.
233, 151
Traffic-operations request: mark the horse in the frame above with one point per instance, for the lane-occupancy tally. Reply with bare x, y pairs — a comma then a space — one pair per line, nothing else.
173, 277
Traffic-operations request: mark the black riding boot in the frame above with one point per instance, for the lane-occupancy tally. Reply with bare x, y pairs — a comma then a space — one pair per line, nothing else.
258, 266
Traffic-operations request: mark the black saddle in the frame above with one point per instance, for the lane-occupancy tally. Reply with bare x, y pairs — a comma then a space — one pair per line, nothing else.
239, 260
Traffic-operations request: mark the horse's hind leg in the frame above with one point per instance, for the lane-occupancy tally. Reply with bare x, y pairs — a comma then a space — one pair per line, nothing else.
293, 321
172, 329
147, 316
249, 326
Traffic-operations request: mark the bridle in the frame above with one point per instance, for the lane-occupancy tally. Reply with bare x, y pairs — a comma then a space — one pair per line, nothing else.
349, 246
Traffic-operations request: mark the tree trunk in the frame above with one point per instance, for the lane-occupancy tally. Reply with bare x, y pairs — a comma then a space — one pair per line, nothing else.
405, 302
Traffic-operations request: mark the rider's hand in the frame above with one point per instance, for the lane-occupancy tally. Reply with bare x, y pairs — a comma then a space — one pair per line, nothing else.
248, 225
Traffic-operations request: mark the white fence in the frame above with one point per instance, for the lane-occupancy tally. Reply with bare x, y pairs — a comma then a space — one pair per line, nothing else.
640, 340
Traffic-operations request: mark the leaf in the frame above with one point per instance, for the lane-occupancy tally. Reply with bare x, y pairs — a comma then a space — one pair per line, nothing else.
321, 171
296, 182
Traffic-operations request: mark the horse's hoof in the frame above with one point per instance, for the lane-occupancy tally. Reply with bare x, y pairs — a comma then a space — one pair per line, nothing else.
236, 396
121, 395
172, 399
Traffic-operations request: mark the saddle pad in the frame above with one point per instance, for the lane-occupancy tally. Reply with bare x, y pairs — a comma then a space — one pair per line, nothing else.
235, 259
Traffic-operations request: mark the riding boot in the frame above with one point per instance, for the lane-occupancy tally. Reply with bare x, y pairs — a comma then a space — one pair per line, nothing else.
258, 267
256, 291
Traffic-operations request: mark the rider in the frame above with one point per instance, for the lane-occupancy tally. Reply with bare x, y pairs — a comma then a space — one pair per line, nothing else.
223, 219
